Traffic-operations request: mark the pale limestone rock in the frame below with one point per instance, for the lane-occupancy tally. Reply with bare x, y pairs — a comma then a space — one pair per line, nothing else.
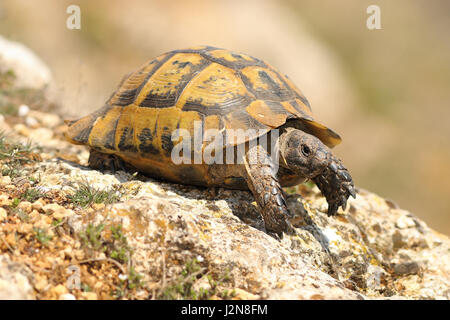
351, 256
14, 280
29, 70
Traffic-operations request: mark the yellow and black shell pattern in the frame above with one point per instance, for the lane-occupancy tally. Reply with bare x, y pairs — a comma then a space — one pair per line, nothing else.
220, 88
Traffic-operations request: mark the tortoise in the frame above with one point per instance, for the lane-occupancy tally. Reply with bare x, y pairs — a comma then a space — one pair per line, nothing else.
221, 91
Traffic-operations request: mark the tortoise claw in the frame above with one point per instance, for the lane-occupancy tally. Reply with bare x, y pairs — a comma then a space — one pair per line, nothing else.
336, 185
345, 175
351, 191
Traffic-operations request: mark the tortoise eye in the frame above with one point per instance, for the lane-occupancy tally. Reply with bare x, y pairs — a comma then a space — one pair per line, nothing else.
306, 150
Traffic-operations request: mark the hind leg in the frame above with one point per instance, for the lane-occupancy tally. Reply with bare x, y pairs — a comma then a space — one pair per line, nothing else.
102, 161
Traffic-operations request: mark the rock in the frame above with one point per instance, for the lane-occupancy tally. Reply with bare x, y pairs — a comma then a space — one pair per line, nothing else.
14, 283
404, 268
89, 295
5, 180
46, 119
23, 110
3, 214
361, 253
67, 296
329, 257
244, 295
20, 128
29, 70
31, 122
38, 205
258, 262
405, 222
25, 206
51, 208
58, 291
57, 211
4, 199
40, 134
40, 283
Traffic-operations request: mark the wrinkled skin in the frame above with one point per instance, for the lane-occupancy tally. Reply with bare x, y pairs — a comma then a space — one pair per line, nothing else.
307, 156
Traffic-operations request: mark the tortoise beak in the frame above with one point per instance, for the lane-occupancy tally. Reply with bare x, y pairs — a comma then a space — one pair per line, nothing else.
336, 184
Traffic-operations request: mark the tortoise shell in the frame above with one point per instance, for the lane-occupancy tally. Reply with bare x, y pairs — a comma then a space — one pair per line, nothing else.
220, 88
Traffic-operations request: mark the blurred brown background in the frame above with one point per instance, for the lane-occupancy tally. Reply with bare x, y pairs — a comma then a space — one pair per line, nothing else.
385, 91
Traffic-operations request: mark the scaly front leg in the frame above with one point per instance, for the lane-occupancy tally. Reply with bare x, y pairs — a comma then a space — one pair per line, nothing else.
262, 181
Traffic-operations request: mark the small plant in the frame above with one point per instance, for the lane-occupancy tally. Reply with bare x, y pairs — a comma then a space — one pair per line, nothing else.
115, 248
184, 286
227, 294
42, 236
117, 234
120, 250
92, 236
32, 194
14, 155
9, 149
85, 287
120, 255
134, 279
86, 195
35, 179
119, 292
22, 215
57, 222
15, 203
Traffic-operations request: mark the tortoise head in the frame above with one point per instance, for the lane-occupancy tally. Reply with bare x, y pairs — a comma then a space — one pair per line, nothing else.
307, 156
